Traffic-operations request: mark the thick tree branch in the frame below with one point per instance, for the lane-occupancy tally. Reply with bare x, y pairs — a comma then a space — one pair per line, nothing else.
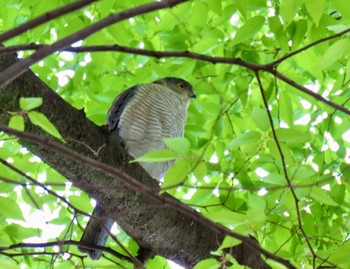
135, 185
158, 228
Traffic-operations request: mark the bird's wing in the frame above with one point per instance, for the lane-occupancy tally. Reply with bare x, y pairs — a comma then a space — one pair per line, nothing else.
118, 107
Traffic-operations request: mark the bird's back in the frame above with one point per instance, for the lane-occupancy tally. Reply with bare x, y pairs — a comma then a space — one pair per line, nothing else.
153, 113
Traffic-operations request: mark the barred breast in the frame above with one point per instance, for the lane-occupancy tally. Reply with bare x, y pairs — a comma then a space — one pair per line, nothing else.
155, 112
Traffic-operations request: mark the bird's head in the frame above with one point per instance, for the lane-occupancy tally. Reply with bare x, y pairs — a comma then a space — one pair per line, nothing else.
178, 85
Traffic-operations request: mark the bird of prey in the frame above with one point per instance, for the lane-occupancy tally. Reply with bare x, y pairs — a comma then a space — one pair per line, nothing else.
142, 115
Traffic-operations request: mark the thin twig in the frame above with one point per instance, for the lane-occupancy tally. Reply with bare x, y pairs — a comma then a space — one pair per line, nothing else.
19, 172
275, 63
64, 243
189, 55
134, 260
284, 165
21, 66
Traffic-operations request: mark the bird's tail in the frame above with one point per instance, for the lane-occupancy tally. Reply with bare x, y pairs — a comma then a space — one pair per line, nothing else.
95, 233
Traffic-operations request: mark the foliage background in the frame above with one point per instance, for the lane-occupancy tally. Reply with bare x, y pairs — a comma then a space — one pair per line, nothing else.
292, 193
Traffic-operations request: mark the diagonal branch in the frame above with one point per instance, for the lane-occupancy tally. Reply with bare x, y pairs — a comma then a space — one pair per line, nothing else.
284, 165
44, 18
139, 187
309, 92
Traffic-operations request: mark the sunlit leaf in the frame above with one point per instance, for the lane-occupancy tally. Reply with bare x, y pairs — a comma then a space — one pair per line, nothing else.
157, 261
335, 52
10, 209
158, 156
227, 217
341, 255
315, 8
177, 174
292, 136
18, 233
43, 122
248, 30
17, 122
286, 108
322, 196
288, 10
245, 138
207, 264
179, 144
229, 242
29, 103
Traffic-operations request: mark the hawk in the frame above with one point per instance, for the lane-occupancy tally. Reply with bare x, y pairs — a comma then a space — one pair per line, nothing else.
142, 115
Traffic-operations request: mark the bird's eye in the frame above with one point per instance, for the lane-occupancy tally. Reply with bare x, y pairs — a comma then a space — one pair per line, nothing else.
181, 85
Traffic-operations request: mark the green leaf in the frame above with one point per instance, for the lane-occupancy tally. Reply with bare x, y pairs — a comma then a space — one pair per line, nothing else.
157, 262
343, 7
347, 71
215, 6
199, 14
44, 123
17, 122
208, 264
322, 196
256, 218
29, 103
288, 10
9, 264
4, 237
334, 53
256, 202
177, 174
248, 30
229, 242
292, 136
315, 9
286, 108
245, 138
340, 255
31, 198
279, 33
10, 209
19, 233
260, 118
178, 144
157, 156
299, 33
275, 178
200, 170
338, 193
226, 217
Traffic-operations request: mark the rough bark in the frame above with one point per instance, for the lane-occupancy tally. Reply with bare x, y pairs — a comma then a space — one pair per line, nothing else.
156, 228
